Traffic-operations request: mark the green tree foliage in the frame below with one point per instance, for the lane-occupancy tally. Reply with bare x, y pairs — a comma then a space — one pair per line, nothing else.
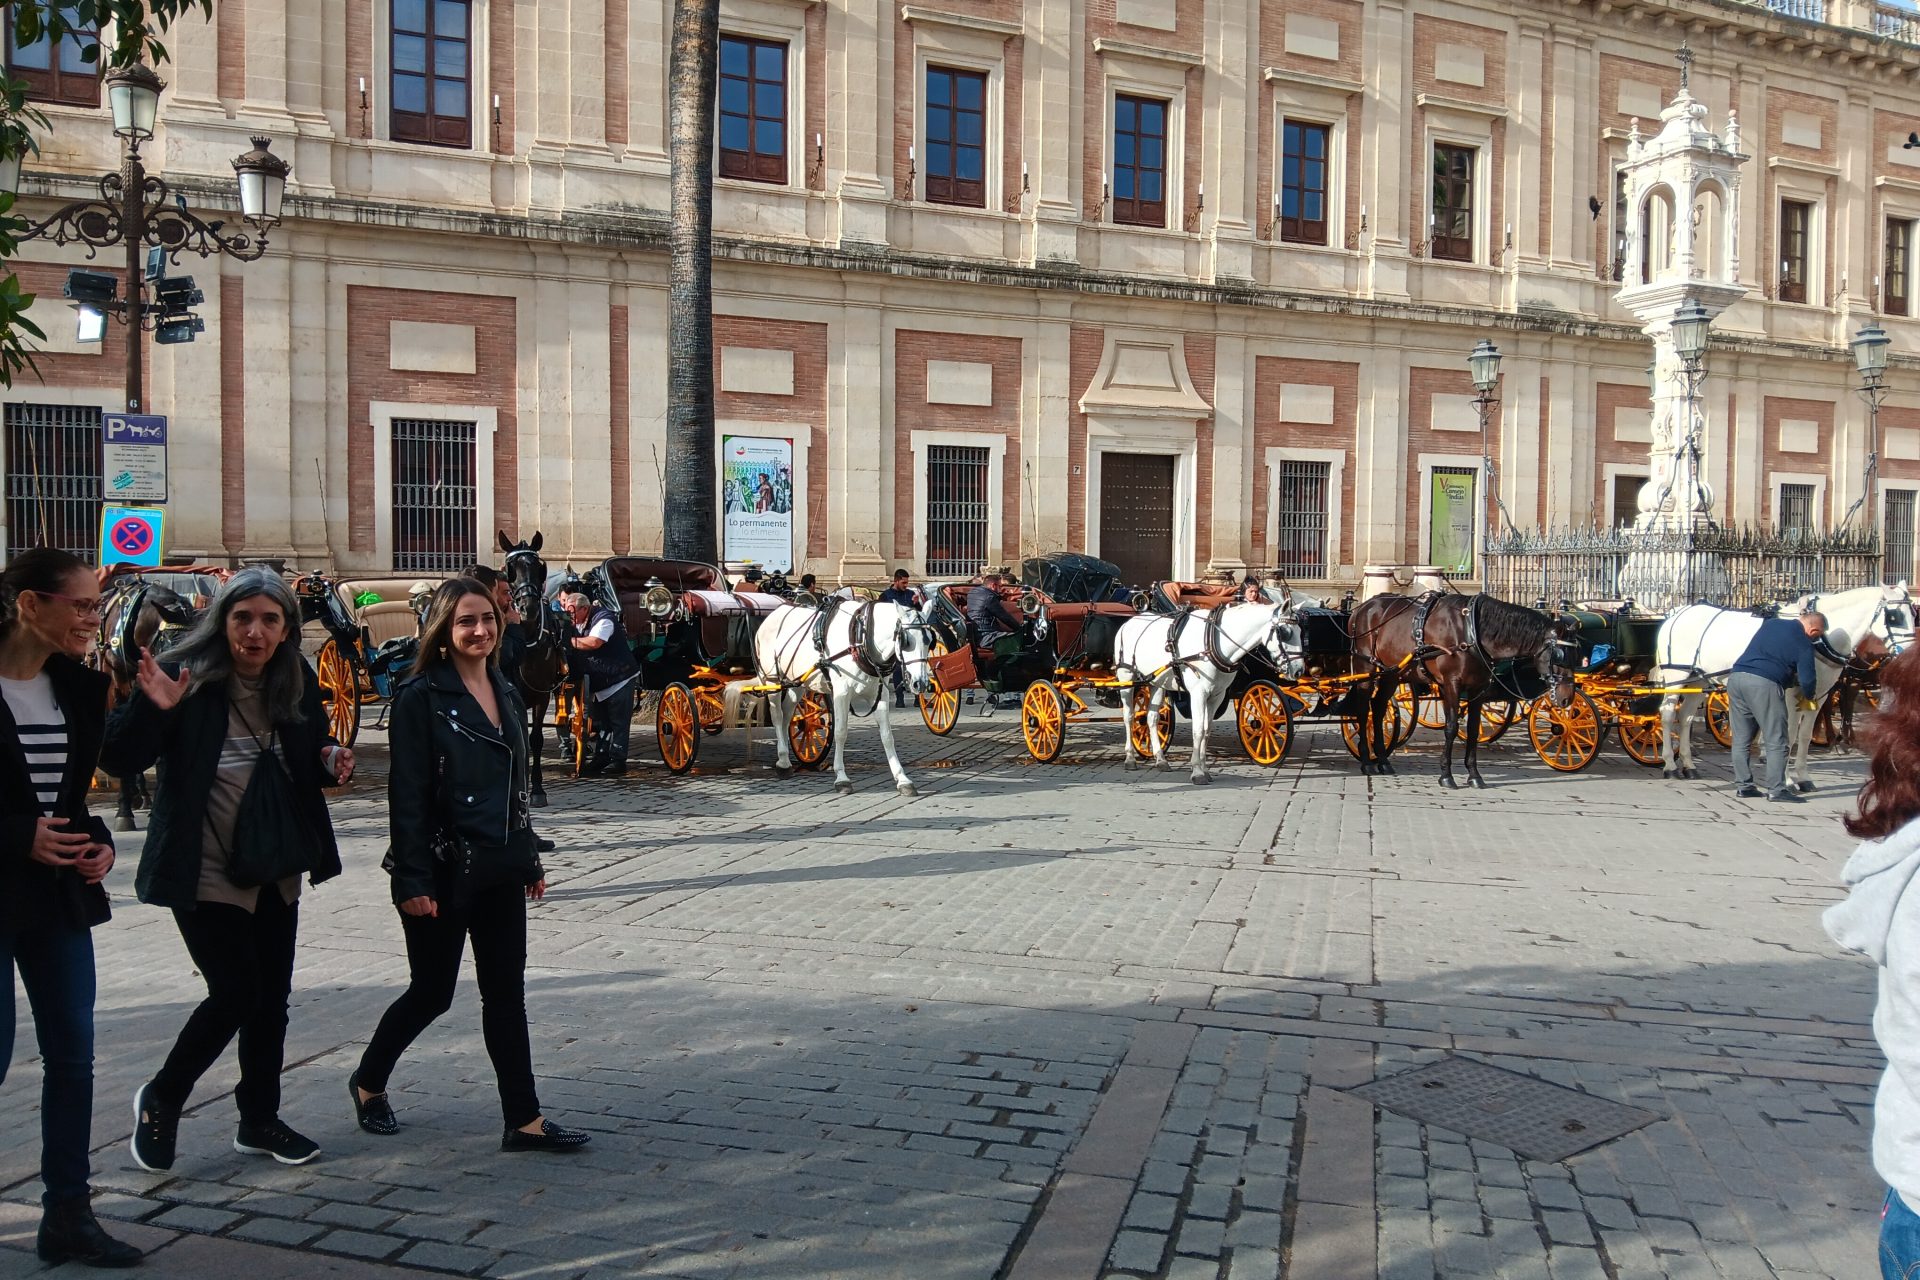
135, 28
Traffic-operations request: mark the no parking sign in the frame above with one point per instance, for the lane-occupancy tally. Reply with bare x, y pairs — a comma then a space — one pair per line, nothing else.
132, 535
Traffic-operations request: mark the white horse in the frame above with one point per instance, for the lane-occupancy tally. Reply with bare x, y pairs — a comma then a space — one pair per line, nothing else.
850, 660
1199, 653
1701, 643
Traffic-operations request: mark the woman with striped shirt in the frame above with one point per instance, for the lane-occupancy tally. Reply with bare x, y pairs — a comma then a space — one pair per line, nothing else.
52, 716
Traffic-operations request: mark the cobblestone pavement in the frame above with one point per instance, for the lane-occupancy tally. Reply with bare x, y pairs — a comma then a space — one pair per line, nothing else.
1052, 1022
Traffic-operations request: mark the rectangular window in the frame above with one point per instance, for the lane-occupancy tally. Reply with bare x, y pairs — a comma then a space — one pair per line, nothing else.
753, 109
1300, 541
1619, 271
1303, 182
53, 478
1898, 268
1796, 509
67, 77
956, 510
435, 495
1898, 566
1796, 216
431, 92
1626, 500
956, 157
1452, 238
1139, 161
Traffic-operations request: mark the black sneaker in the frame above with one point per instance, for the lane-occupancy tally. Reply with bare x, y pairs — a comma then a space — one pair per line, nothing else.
1748, 792
275, 1139
155, 1130
552, 1137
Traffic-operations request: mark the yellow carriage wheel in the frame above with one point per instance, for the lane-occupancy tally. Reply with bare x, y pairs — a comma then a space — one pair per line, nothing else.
1423, 709
711, 702
810, 729
1137, 721
1720, 717
1399, 727
1641, 738
941, 708
1266, 723
340, 690
1567, 739
1043, 720
578, 725
677, 726
1496, 715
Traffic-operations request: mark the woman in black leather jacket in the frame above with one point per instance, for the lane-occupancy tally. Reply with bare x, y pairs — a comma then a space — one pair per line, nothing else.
462, 860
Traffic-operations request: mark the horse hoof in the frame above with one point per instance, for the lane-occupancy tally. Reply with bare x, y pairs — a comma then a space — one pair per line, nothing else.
538, 799
783, 771
1202, 780
1689, 773
905, 789
1387, 769
1129, 765
1803, 787
843, 788
1669, 773
1480, 783
1446, 780
123, 824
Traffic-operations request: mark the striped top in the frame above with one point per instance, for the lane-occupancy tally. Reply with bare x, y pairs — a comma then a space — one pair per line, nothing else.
42, 729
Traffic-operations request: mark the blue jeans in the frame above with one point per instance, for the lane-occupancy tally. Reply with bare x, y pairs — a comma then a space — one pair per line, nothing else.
1899, 1240
56, 968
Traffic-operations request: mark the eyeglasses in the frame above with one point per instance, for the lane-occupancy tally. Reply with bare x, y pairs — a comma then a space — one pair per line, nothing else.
95, 607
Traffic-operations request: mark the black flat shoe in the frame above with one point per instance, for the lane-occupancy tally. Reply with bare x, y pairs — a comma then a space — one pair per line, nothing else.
542, 845
68, 1233
552, 1137
374, 1115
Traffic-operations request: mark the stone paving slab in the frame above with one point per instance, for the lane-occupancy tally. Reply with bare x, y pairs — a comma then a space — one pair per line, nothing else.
1053, 1022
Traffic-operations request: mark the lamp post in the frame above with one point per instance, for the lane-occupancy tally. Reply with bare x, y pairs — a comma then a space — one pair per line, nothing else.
1483, 367
1870, 358
138, 211
1691, 327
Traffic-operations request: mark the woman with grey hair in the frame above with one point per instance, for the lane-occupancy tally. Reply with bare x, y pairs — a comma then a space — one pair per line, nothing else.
235, 723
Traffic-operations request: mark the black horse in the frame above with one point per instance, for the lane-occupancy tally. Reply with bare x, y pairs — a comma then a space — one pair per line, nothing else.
543, 656
1466, 649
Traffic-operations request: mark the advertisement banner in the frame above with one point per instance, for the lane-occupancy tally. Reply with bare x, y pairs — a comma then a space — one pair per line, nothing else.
756, 500
1450, 533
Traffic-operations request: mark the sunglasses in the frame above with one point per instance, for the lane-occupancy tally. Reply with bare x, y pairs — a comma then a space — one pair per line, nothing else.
95, 607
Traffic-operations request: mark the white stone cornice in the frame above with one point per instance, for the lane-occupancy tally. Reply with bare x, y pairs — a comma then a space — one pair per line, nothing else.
1282, 75
913, 13
1803, 166
1127, 49
1441, 103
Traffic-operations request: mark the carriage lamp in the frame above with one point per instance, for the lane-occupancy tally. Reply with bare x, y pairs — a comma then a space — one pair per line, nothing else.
1690, 325
659, 600
1870, 353
133, 94
1483, 364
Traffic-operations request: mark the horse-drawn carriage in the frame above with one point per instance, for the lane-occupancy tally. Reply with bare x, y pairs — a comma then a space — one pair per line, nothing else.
1615, 656
693, 639
372, 630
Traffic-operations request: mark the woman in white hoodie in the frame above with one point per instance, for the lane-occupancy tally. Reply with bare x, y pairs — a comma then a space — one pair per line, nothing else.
1881, 918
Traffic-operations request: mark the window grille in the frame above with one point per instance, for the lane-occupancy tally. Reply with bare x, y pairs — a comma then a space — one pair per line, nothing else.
1796, 509
53, 478
956, 510
435, 495
1900, 535
1300, 539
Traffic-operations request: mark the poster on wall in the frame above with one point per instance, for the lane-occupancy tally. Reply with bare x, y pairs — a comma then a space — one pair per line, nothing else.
756, 500
1450, 534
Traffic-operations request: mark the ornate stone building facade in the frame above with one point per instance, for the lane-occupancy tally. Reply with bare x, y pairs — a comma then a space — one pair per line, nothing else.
1186, 283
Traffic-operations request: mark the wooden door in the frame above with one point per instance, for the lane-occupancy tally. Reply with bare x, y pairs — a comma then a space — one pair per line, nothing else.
1136, 515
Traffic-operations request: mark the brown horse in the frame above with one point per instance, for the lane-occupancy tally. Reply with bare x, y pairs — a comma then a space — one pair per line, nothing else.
542, 667
1464, 648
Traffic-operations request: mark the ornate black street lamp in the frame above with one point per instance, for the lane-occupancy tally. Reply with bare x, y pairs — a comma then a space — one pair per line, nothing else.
138, 211
1870, 358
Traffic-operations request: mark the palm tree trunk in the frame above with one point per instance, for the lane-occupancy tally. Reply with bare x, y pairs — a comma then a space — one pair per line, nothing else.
690, 515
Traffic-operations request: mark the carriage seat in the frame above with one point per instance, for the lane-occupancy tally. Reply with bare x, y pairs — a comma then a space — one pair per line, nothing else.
1171, 597
390, 590
1076, 634
388, 620
956, 594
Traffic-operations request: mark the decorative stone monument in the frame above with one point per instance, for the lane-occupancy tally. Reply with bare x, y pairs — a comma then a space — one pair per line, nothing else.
1682, 261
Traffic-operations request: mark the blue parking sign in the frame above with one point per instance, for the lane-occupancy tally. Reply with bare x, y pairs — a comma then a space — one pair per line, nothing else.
132, 535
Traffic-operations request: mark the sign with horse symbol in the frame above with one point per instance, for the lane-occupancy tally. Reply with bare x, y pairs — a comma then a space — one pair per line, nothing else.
133, 456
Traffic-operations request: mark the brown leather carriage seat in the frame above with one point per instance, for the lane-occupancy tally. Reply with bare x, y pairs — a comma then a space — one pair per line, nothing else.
1195, 595
1072, 635
1010, 596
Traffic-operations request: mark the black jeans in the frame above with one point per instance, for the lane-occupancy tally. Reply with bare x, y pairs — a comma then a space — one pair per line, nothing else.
56, 968
612, 722
246, 958
496, 919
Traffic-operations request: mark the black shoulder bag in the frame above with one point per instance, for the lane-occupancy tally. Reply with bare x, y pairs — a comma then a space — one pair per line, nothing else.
270, 841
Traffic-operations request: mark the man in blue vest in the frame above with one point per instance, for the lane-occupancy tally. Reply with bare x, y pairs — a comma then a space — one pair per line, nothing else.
600, 649
1778, 664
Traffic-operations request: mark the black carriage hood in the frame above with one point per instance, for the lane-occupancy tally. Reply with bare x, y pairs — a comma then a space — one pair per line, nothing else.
1070, 578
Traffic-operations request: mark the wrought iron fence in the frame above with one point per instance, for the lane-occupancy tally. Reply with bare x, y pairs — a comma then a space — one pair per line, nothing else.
1662, 570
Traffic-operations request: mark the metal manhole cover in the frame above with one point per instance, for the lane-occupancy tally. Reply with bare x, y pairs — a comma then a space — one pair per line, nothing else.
1527, 1115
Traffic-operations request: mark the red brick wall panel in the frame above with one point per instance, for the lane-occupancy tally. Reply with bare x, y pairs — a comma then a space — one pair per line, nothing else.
1270, 374
618, 81
806, 407
1428, 34
370, 377
912, 349
1422, 386
1773, 411
500, 65
1609, 397
230, 49
1200, 349
1085, 348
